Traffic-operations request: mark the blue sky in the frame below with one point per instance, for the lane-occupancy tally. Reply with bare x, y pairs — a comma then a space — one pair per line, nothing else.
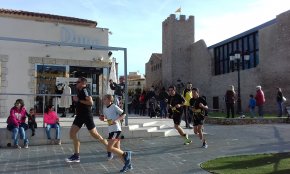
137, 24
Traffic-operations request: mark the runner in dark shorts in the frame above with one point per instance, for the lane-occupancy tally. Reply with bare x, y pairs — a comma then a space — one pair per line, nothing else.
84, 116
175, 102
198, 106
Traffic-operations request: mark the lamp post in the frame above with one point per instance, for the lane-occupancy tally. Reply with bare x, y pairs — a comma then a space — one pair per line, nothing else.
235, 58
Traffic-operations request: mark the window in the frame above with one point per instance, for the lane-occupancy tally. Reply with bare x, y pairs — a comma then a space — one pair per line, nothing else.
246, 43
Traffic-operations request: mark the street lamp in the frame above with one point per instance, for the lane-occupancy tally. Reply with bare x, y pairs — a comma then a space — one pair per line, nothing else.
235, 58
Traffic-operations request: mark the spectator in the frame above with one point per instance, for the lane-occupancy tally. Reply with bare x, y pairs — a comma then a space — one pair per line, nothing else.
135, 103
142, 103
31, 121
163, 98
280, 102
187, 95
119, 90
52, 121
16, 123
230, 98
252, 105
260, 100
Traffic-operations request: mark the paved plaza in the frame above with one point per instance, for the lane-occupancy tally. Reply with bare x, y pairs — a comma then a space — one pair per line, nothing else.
150, 155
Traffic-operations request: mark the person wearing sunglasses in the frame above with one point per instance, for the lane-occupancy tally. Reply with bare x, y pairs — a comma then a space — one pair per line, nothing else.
84, 116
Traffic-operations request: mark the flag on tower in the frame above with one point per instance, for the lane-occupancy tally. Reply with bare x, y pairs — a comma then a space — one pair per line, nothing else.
178, 10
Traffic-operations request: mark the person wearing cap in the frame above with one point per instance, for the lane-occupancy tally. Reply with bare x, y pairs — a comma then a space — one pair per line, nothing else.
260, 100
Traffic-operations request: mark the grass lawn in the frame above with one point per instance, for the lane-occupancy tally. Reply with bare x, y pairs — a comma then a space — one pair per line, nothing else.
250, 164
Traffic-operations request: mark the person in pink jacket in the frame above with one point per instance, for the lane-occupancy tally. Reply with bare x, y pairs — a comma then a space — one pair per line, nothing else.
260, 100
52, 121
16, 123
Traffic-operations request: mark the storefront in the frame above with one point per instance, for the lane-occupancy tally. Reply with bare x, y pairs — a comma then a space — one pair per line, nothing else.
37, 50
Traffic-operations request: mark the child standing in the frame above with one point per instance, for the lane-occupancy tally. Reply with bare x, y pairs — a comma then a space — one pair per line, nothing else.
31, 121
113, 114
252, 105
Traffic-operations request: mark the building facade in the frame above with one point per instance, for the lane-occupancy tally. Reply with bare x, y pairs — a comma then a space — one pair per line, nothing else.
36, 49
136, 81
209, 68
153, 69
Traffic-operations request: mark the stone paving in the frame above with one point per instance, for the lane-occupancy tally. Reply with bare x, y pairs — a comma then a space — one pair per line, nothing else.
151, 155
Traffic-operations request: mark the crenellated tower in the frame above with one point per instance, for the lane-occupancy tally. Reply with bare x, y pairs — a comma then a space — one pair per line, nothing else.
177, 36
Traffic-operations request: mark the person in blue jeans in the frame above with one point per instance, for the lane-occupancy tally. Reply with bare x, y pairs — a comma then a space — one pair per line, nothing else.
52, 121
16, 123
252, 105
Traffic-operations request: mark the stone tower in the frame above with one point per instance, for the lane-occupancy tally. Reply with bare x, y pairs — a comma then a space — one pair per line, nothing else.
177, 36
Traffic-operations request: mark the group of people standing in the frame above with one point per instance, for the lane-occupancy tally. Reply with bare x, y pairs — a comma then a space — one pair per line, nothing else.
254, 101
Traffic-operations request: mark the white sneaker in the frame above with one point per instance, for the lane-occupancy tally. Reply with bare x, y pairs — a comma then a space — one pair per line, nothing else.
110, 157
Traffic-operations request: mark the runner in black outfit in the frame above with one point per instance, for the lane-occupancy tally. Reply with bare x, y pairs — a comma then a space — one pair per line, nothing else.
175, 102
198, 107
84, 116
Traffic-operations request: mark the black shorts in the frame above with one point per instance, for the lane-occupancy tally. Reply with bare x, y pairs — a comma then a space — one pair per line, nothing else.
177, 117
114, 135
198, 120
85, 118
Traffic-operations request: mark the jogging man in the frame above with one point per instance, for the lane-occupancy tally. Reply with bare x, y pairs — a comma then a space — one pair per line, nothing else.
198, 107
175, 102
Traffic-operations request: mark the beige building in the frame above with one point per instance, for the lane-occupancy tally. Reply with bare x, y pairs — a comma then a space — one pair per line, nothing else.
36, 49
209, 68
153, 69
135, 81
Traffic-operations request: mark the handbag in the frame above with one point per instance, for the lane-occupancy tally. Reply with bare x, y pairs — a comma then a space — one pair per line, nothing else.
10, 127
284, 99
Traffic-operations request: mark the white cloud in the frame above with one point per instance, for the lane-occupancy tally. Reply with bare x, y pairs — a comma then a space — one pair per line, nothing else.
217, 28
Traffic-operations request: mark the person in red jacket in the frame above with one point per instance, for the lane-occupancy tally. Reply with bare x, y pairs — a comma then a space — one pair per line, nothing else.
260, 100
52, 121
16, 123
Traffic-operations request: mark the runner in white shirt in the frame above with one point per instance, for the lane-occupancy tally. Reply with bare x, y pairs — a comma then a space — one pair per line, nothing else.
113, 114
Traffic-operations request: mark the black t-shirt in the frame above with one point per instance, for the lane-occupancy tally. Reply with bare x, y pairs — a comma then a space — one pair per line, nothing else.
194, 103
82, 94
119, 89
176, 99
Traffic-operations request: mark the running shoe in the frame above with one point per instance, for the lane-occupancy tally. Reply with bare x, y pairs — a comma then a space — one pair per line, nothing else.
110, 156
204, 145
126, 168
73, 159
187, 141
